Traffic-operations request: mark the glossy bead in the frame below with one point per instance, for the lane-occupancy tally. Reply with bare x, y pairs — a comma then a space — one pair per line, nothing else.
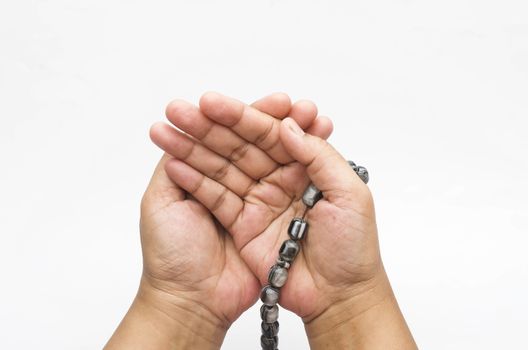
269, 295
269, 314
288, 250
352, 164
362, 173
269, 343
297, 229
283, 263
277, 276
311, 195
270, 330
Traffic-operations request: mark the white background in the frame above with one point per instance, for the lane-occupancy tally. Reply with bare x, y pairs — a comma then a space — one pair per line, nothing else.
432, 96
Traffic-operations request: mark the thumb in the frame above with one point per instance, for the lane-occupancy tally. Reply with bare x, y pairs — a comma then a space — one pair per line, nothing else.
327, 169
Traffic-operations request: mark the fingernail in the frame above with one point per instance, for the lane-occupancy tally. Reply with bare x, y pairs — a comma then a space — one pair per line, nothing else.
292, 125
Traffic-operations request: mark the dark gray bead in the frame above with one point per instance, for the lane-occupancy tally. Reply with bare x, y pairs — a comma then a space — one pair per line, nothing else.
269, 314
288, 250
311, 196
283, 263
352, 164
362, 173
277, 276
270, 330
297, 229
269, 295
269, 343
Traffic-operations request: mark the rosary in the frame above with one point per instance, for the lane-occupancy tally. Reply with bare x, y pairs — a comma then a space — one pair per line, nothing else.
278, 274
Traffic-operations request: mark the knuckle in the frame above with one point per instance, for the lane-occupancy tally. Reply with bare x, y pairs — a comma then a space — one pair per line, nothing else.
239, 152
219, 200
221, 172
264, 139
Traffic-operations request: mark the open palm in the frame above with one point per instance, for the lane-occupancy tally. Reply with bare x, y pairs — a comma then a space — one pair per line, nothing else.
178, 232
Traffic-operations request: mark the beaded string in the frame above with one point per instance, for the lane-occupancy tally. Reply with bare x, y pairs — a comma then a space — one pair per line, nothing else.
278, 273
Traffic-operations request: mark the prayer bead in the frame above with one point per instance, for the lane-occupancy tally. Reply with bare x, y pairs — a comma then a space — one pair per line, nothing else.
269, 314
289, 249
277, 276
311, 195
297, 229
269, 343
270, 330
362, 173
269, 295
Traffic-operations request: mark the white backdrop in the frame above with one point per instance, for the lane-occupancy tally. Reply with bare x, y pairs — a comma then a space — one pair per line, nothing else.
432, 96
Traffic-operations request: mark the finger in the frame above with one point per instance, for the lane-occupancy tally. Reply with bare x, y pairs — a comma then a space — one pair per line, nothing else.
247, 157
322, 127
200, 158
277, 105
253, 125
327, 169
304, 112
222, 203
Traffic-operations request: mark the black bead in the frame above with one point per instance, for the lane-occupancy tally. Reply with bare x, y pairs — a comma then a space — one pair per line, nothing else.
288, 250
269, 314
270, 330
311, 196
297, 229
269, 295
269, 343
277, 276
362, 173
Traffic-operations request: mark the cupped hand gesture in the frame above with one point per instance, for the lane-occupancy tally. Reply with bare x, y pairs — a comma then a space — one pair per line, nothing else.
249, 169
188, 255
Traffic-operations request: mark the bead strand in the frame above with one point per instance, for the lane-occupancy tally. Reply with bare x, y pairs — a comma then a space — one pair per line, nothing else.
278, 273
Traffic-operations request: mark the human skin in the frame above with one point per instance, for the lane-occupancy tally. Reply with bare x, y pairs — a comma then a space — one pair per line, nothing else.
337, 283
194, 282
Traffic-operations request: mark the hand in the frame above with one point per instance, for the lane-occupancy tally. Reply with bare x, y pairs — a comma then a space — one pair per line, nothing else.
253, 187
194, 283
186, 253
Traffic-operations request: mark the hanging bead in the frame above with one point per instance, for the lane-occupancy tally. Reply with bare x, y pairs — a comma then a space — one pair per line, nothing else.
362, 173
288, 250
269, 343
297, 229
270, 330
277, 276
269, 295
269, 314
311, 196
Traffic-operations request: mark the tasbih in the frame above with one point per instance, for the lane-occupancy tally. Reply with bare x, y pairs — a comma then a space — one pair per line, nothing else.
278, 273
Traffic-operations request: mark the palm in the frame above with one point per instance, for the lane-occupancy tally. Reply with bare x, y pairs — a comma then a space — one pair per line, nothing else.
185, 250
323, 265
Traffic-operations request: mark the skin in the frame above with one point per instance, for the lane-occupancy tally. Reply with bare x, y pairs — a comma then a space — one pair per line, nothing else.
248, 167
194, 282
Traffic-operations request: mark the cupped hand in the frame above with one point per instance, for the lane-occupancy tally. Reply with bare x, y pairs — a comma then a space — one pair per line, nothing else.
250, 170
188, 255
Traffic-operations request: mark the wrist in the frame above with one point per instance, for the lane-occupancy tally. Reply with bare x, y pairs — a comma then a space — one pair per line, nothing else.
184, 315
367, 318
158, 319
